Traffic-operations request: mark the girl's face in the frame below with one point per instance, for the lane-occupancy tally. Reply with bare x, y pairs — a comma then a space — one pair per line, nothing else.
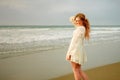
78, 21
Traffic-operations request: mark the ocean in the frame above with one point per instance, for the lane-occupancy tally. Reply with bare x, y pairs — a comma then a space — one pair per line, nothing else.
23, 40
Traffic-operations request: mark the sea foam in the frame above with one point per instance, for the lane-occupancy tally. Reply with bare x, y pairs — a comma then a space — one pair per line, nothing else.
23, 40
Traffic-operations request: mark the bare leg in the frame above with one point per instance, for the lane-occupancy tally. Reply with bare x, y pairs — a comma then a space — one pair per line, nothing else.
78, 73
76, 70
83, 75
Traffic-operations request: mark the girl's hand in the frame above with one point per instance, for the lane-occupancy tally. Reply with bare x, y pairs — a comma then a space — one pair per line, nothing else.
68, 57
72, 19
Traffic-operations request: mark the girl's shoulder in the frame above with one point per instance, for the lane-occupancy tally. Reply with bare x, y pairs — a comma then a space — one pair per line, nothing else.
81, 29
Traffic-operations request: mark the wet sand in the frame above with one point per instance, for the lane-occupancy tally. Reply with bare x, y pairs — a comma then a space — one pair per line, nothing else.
52, 64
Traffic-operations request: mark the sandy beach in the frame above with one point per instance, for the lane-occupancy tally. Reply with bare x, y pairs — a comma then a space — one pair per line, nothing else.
51, 64
107, 72
35, 36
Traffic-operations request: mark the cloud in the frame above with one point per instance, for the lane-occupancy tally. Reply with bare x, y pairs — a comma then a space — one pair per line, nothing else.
58, 12
13, 4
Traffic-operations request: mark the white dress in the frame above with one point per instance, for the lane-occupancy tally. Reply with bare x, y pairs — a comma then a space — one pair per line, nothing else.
76, 47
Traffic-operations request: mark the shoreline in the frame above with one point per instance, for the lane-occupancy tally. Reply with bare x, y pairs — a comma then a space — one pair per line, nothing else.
28, 51
50, 64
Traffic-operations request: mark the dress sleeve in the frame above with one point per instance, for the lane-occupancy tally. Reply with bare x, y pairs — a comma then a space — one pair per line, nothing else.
76, 35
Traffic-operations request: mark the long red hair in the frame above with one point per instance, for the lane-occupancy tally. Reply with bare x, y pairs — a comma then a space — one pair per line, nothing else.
86, 24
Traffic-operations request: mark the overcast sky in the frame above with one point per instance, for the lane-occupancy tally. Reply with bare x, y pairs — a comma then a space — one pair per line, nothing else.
57, 12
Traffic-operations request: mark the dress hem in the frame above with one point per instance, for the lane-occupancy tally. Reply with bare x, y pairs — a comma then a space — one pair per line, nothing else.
77, 62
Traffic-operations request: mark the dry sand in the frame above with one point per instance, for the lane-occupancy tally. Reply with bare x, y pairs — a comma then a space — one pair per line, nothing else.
107, 72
